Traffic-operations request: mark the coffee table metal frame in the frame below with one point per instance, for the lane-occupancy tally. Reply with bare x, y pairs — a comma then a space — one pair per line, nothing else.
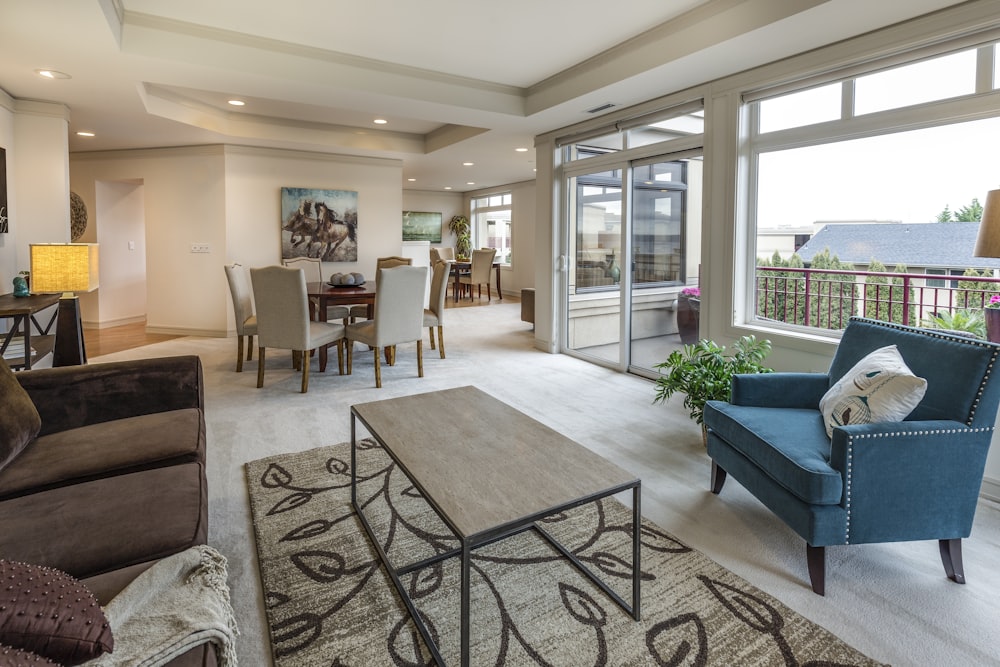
471, 542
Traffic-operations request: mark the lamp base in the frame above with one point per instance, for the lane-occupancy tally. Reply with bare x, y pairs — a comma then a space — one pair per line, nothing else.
69, 348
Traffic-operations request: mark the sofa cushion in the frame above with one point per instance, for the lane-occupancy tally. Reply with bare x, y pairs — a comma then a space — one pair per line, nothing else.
16, 657
106, 449
787, 444
879, 388
104, 524
50, 613
19, 420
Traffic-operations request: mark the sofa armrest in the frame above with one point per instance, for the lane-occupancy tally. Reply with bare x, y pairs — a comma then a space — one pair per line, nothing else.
779, 390
910, 480
74, 396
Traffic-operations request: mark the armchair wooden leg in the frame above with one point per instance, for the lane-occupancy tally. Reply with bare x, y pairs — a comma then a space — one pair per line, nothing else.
718, 478
349, 344
324, 356
340, 356
260, 367
440, 341
420, 358
249, 348
430, 331
951, 556
378, 370
816, 559
239, 353
305, 373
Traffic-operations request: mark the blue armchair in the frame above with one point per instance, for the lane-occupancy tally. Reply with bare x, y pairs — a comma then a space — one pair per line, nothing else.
917, 479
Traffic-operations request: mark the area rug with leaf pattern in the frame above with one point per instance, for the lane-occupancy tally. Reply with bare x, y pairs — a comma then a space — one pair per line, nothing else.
330, 602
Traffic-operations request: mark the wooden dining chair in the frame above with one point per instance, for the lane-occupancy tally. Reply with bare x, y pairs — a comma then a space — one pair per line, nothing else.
434, 315
246, 321
399, 308
361, 311
283, 321
479, 273
313, 268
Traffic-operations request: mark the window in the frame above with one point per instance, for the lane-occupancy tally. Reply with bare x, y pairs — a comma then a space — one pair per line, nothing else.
862, 161
492, 221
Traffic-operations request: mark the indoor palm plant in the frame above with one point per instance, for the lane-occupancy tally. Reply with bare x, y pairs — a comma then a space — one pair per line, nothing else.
459, 225
704, 372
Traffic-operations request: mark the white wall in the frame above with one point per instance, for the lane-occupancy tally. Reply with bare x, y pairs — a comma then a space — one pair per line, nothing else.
121, 298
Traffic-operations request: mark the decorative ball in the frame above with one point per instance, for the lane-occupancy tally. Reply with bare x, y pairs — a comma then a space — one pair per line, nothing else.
359, 279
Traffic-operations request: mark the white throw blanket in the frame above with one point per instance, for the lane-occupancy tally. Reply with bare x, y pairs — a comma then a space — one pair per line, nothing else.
179, 603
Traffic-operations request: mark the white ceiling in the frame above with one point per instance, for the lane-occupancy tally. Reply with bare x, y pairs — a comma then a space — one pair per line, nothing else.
458, 80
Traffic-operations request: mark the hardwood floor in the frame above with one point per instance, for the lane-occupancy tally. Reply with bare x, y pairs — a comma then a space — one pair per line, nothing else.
116, 339
128, 336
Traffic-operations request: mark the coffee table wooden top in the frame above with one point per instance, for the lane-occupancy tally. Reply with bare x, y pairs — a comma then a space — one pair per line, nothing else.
481, 462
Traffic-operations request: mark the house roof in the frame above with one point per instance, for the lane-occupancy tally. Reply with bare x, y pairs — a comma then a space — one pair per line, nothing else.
946, 245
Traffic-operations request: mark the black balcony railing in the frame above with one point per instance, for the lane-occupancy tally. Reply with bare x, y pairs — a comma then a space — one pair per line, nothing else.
827, 298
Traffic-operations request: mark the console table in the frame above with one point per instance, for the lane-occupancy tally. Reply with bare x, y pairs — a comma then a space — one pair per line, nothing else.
22, 311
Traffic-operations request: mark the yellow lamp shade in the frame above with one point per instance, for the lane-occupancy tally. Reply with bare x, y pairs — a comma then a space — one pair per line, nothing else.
63, 267
988, 241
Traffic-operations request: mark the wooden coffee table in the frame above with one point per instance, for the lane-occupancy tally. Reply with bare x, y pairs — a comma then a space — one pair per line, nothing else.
489, 471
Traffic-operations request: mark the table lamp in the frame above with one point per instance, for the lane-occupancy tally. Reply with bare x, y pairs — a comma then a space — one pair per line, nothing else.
66, 268
988, 240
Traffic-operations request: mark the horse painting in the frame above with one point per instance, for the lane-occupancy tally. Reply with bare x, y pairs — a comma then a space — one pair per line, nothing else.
300, 224
319, 223
331, 233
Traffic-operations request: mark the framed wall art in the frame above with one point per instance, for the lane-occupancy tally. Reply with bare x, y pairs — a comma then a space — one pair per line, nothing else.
421, 226
3, 191
319, 223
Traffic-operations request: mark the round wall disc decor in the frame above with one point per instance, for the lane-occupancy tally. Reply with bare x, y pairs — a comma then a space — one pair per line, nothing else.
78, 216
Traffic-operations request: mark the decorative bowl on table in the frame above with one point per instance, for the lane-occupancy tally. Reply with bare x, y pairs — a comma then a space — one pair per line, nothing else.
346, 280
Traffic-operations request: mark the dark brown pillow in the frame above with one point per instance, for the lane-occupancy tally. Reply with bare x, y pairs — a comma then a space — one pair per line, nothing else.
48, 612
16, 657
19, 420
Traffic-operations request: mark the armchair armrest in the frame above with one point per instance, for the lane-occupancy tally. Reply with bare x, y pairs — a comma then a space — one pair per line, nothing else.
910, 480
779, 390
74, 396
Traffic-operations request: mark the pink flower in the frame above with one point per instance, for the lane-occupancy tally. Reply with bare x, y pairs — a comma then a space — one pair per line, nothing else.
994, 301
695, 291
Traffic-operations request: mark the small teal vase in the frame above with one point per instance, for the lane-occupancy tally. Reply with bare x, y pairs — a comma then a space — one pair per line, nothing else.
21, 286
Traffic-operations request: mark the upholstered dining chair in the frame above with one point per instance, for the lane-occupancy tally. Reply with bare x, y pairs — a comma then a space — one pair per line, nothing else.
361, 311
479, 272
246, 321
434, 315
447, 253
283, 321
313, 268
399, 308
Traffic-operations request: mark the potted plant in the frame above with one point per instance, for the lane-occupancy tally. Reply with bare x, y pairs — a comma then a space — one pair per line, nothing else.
459, 225
703, 372
688, 314
971, 321
992, 314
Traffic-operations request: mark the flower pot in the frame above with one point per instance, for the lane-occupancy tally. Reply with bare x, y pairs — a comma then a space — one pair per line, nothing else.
687, 318
992, 316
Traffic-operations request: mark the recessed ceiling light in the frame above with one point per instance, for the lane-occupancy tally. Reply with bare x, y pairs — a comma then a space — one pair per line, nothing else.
521, 150
52, 74
447, 187
85, 134
380, 121
237, 103
411, 180
468, 164
470, 182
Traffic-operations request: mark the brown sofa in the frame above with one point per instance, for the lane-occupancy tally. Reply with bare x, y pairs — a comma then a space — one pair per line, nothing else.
115, 479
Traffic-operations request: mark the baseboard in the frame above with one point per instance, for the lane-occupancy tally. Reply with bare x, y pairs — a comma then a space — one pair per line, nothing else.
180, 331
107, 324
990, 489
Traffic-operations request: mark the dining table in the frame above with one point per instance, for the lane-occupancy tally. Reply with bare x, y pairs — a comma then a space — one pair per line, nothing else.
458, 268
342, 295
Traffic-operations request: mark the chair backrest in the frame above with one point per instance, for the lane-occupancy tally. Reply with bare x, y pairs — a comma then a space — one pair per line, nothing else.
482, 264
392, 262
282, 307
399, 304
962, 384
435, 256
439, 289
239, 288
447, 253
312, 266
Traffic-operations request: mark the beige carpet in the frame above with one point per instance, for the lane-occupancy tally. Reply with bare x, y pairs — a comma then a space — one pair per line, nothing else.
329, 601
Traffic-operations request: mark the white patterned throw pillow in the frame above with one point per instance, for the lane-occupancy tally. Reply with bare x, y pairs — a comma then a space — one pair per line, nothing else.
879, 388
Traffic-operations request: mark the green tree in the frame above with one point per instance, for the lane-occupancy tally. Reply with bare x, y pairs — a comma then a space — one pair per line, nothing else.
945, 215
971, 213
974, 293
832, 295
